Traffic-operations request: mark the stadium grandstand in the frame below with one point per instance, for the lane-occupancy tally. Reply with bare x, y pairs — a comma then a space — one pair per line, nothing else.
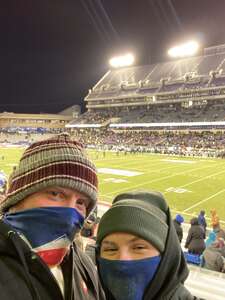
25, 128
178, 102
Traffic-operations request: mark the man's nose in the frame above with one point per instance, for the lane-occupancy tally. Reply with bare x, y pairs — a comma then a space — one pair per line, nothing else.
71, 200
123, 254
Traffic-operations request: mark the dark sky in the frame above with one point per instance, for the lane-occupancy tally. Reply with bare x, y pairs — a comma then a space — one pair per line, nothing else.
53, 51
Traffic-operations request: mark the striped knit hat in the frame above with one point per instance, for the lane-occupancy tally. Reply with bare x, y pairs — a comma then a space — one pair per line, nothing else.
58, 161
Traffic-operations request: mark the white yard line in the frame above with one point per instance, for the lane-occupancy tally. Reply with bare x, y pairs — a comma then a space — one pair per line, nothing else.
204, 200
135, 162
143, 172
200, 179
155, 180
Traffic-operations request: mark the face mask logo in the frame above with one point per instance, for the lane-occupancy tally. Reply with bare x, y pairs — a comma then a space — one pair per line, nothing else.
127, 280
49, 230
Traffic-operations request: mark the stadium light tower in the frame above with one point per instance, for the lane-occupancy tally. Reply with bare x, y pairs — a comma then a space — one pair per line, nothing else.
188, 49
122, 61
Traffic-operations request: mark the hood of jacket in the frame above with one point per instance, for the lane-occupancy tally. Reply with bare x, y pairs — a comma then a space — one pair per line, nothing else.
172, 271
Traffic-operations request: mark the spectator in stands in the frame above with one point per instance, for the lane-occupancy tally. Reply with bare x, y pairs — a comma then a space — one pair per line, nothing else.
211, 239
88, 227
202, 221
50, 194
177, 223
214, 256
139, 256
195, 239
3, 183
215, 221
220, 234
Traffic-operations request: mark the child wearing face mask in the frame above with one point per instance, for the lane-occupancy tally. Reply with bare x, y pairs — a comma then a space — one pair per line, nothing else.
138, 254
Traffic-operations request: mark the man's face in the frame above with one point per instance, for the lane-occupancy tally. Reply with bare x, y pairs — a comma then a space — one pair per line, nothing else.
55, 196
125, 246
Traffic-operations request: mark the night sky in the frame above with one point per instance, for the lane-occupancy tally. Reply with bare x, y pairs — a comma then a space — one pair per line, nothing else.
53, 51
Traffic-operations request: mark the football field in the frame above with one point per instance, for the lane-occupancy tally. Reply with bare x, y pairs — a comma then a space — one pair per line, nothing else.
189, 184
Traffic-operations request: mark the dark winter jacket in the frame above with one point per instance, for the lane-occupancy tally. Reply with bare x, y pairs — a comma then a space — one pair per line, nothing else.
179, 230
214, 258
195, 239
168, 282
24, 276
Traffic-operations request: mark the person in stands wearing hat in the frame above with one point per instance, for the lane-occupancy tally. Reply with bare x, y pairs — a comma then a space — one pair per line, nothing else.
195, 239
138, 253
214, 256
202, 221
177, 224
52, 191
215, 221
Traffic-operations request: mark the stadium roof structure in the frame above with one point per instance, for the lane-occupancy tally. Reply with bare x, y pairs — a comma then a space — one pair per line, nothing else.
192, 72
183, 83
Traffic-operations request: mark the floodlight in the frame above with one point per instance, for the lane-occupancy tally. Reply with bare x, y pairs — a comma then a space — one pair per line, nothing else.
122, 61
188, 49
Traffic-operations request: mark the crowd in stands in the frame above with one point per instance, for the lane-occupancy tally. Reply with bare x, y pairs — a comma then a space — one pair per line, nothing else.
206, 249
186, 143
93, 118
189, 143
8, 137
176, 113
201, 112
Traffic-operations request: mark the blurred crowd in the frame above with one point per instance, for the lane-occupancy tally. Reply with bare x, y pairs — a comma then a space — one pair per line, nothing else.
205, 243
181, 143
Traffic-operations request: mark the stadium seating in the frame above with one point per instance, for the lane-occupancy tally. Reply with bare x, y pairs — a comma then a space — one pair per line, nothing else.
205, 284
192, 258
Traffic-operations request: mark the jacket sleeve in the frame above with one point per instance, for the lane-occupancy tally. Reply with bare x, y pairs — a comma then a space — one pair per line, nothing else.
188, 240
220, 262
89, 267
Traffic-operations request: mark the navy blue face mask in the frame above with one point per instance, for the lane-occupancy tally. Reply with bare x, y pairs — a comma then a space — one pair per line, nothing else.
128, 279
49, 230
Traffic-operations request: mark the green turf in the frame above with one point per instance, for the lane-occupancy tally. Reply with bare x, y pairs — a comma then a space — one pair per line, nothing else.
188, 187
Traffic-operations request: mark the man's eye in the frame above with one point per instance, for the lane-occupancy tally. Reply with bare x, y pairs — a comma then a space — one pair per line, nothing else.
56, 195
139, 247
82, 202
109, 249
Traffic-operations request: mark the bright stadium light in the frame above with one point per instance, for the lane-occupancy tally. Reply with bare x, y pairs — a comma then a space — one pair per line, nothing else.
188, 49
122, 61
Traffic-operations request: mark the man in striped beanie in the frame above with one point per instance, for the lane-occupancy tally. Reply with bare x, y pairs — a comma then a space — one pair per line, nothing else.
58, 161
51, 192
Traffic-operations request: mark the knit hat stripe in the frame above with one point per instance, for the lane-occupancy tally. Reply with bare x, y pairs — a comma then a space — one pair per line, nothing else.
53, 165
56, 140
72, 170
19, 189
45, 147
